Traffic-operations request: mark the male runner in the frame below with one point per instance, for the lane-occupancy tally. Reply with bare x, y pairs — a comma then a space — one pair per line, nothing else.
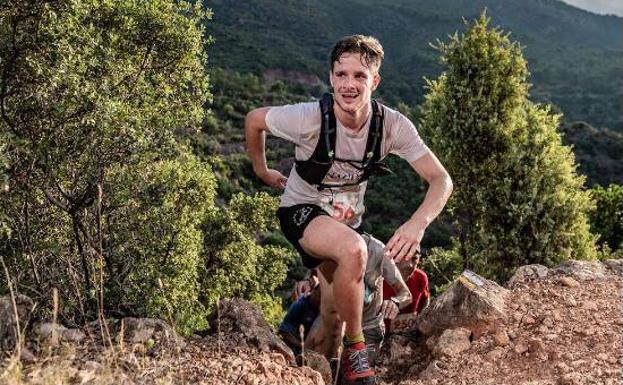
320, 218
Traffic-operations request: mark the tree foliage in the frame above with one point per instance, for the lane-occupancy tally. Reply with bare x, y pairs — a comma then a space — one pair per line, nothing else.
517, 199
89, 87
607, 218
102, 201
236, 265
567, 45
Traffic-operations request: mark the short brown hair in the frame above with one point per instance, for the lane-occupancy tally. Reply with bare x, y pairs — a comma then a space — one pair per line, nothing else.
368, 47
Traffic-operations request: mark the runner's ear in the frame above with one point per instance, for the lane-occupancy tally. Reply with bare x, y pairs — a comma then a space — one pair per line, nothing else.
376, 80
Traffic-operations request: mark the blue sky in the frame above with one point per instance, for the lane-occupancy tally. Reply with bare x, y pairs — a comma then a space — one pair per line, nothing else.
614, 7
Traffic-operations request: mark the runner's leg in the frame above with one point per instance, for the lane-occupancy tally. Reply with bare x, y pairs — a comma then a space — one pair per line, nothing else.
327, 239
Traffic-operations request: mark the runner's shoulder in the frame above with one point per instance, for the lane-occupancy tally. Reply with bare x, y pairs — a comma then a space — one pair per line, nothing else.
395, 118
306, 108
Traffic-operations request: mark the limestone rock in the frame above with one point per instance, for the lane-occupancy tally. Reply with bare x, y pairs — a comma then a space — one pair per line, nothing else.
452, 342
53, 333
500, 338
521, 348
26, 356
150, 331
242, 321
8, 323
615, 265
433, 371
319, 363
582, 270
527, 273
495, 355
312, 375
590, 305
471, 302
569, 282
536, 345
570, 379
398, 346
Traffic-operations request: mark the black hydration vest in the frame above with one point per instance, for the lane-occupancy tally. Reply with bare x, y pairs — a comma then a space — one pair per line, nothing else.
314, 169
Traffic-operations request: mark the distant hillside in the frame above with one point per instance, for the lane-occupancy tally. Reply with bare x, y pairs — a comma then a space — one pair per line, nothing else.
576, 57
598, 152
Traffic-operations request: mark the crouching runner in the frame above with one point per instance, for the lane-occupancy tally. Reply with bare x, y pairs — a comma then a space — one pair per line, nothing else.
323, 334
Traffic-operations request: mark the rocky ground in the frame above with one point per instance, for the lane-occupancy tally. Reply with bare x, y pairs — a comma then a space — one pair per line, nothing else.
560, 326
565, 328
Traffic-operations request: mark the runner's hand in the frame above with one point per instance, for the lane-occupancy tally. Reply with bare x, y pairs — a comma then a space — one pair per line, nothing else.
303, 288
405, 242
273, 178
389, 309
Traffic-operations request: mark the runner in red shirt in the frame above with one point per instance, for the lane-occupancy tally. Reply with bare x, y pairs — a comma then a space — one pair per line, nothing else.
417, 282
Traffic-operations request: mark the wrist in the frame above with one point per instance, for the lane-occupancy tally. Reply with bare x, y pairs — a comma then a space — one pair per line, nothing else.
260, 171
420, 221
395, 301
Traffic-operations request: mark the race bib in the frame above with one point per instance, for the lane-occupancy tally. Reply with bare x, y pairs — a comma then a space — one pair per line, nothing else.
403, 322
343, 206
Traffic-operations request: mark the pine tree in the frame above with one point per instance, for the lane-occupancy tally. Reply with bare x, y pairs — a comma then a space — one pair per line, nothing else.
517, 199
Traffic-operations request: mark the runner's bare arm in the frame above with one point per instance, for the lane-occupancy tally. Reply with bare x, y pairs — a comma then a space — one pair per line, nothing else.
403, 295
405, 241
254, 129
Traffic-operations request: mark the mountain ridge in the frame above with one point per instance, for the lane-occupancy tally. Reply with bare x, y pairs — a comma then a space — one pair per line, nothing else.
576, 57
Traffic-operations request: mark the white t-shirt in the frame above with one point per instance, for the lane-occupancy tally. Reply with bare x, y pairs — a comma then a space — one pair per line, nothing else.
300, 123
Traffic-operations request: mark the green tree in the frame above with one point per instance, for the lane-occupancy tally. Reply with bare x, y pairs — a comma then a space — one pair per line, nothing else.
89, 88
517, 198
154, 218
607, 218
237, 265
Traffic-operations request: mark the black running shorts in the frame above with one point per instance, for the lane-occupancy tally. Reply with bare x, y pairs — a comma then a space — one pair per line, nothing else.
293, 221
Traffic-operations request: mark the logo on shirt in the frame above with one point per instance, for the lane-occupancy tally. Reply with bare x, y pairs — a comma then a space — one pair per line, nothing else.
342, 172
301, 215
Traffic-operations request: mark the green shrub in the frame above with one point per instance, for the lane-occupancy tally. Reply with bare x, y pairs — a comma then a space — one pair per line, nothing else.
517, 198
157, 210
236, 264
607, 218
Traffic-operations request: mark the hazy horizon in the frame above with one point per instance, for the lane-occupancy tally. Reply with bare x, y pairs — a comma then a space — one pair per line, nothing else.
602, 7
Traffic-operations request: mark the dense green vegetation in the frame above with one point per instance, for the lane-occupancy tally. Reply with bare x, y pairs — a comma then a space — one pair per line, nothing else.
100, 199
125, 185
517, 199
607, 218
599, 152
576, 58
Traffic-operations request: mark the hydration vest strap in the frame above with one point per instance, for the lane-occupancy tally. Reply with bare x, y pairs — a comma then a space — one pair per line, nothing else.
317, 166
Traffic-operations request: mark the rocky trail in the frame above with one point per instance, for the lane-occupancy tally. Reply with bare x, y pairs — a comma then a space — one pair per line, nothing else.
559, 326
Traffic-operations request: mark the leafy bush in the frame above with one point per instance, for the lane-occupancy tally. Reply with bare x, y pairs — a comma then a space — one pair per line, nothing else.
517, 199
156, 212
607, 218
442, 266
235, 264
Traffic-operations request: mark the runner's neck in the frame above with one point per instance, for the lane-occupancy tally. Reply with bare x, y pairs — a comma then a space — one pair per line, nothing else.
354, 121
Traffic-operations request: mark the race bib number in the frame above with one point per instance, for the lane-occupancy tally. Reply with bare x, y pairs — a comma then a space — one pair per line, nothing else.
403, 322
343, 206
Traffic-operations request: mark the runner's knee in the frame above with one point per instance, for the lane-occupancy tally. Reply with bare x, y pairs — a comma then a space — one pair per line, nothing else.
356, 257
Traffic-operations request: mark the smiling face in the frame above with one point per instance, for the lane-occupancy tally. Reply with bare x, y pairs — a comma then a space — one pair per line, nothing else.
353, 82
